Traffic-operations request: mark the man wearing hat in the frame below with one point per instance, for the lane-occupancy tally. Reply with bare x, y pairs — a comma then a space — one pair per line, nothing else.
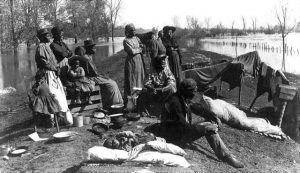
48, 67
134, 64
173, 51
177, 123
160, 85
61, 52
109, 88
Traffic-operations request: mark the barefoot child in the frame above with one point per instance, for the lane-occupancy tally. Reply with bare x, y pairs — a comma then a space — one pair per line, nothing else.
80, 82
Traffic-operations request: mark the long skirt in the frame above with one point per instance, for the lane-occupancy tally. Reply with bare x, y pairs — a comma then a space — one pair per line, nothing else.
174, 64
64, 68
110, 92
56, 88
134, 74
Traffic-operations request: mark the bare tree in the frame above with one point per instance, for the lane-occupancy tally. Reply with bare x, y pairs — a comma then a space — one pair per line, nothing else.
193, 22
176, 22
282, 17
114, 7
232, 28
207, 22
244, 23
254, 21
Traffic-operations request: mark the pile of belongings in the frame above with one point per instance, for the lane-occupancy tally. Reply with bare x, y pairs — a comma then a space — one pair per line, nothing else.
157, 152
236, 118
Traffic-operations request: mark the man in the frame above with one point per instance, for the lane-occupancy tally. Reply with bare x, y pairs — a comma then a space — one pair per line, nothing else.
178, 121
110, 92
47, 66
61, 52
160, 85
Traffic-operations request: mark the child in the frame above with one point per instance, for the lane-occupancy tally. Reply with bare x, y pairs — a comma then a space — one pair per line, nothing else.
80, 82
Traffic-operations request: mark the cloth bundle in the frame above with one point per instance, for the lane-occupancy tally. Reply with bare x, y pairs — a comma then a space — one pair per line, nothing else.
152, 152
234, 117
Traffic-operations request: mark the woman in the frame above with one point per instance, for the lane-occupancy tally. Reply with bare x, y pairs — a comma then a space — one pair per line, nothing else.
47, 66
110, 92
61, 52
173, 52
155, 48
134, 66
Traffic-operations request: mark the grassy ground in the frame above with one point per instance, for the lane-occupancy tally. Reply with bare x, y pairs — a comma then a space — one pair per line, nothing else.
259, 153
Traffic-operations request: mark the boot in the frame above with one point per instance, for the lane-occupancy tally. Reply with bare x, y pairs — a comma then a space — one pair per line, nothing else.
231, 160
221, 151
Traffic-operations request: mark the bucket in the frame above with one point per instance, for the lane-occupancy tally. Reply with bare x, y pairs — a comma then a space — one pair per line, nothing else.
78, 120
86, 120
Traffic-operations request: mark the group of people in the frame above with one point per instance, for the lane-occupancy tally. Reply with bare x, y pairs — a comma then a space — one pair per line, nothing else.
177, 99
164, 91
59, 68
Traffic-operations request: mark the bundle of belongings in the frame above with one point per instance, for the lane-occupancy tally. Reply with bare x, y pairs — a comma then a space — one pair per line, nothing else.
236, 118
157, 151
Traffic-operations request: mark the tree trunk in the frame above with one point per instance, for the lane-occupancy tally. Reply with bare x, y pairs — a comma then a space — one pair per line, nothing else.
13, 25
112, 32
283, 54
1, 34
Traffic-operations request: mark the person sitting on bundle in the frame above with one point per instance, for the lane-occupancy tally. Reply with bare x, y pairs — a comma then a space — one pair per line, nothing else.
80, 83
157, 89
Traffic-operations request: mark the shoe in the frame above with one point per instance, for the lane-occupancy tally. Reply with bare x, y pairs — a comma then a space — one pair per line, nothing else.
231, 160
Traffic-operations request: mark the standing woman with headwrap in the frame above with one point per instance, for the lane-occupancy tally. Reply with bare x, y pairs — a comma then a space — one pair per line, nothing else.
134, 66
173, 52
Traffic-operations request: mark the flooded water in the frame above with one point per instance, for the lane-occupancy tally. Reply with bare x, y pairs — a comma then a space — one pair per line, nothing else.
269, 48
15, 68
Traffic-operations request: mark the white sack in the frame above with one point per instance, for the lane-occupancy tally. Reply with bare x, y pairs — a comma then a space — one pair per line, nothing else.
164, 158
165, 147
103, 154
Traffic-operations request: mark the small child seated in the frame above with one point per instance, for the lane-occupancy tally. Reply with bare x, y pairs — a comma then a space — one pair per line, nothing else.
80, 83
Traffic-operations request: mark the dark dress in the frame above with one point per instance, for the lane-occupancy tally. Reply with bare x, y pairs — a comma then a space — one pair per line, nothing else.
134, 65
174, 54
110, 92
80, 82
62, 53
156, 48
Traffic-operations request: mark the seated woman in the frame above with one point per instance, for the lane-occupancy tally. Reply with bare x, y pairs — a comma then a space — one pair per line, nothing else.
110, 92
160, 85
80, 83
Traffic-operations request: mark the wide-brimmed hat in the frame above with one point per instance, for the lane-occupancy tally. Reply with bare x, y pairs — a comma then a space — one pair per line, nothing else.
88, 43
188, 84
41, 32
129, 27
56, 30
167, 28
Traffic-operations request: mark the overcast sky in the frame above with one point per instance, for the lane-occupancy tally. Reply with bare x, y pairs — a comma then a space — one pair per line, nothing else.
152, 13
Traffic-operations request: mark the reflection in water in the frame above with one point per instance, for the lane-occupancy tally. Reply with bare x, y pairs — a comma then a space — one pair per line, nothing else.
16, 68
268, 46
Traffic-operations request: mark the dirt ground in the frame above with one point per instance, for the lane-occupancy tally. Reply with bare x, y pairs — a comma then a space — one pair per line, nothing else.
258, 153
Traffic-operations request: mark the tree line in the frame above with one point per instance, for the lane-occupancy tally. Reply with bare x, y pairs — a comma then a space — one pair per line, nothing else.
20, 19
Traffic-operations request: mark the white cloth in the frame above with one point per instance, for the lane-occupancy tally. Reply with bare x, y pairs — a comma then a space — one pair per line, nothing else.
56, 88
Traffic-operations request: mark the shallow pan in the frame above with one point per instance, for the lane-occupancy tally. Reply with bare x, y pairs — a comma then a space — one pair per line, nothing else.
64, 136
